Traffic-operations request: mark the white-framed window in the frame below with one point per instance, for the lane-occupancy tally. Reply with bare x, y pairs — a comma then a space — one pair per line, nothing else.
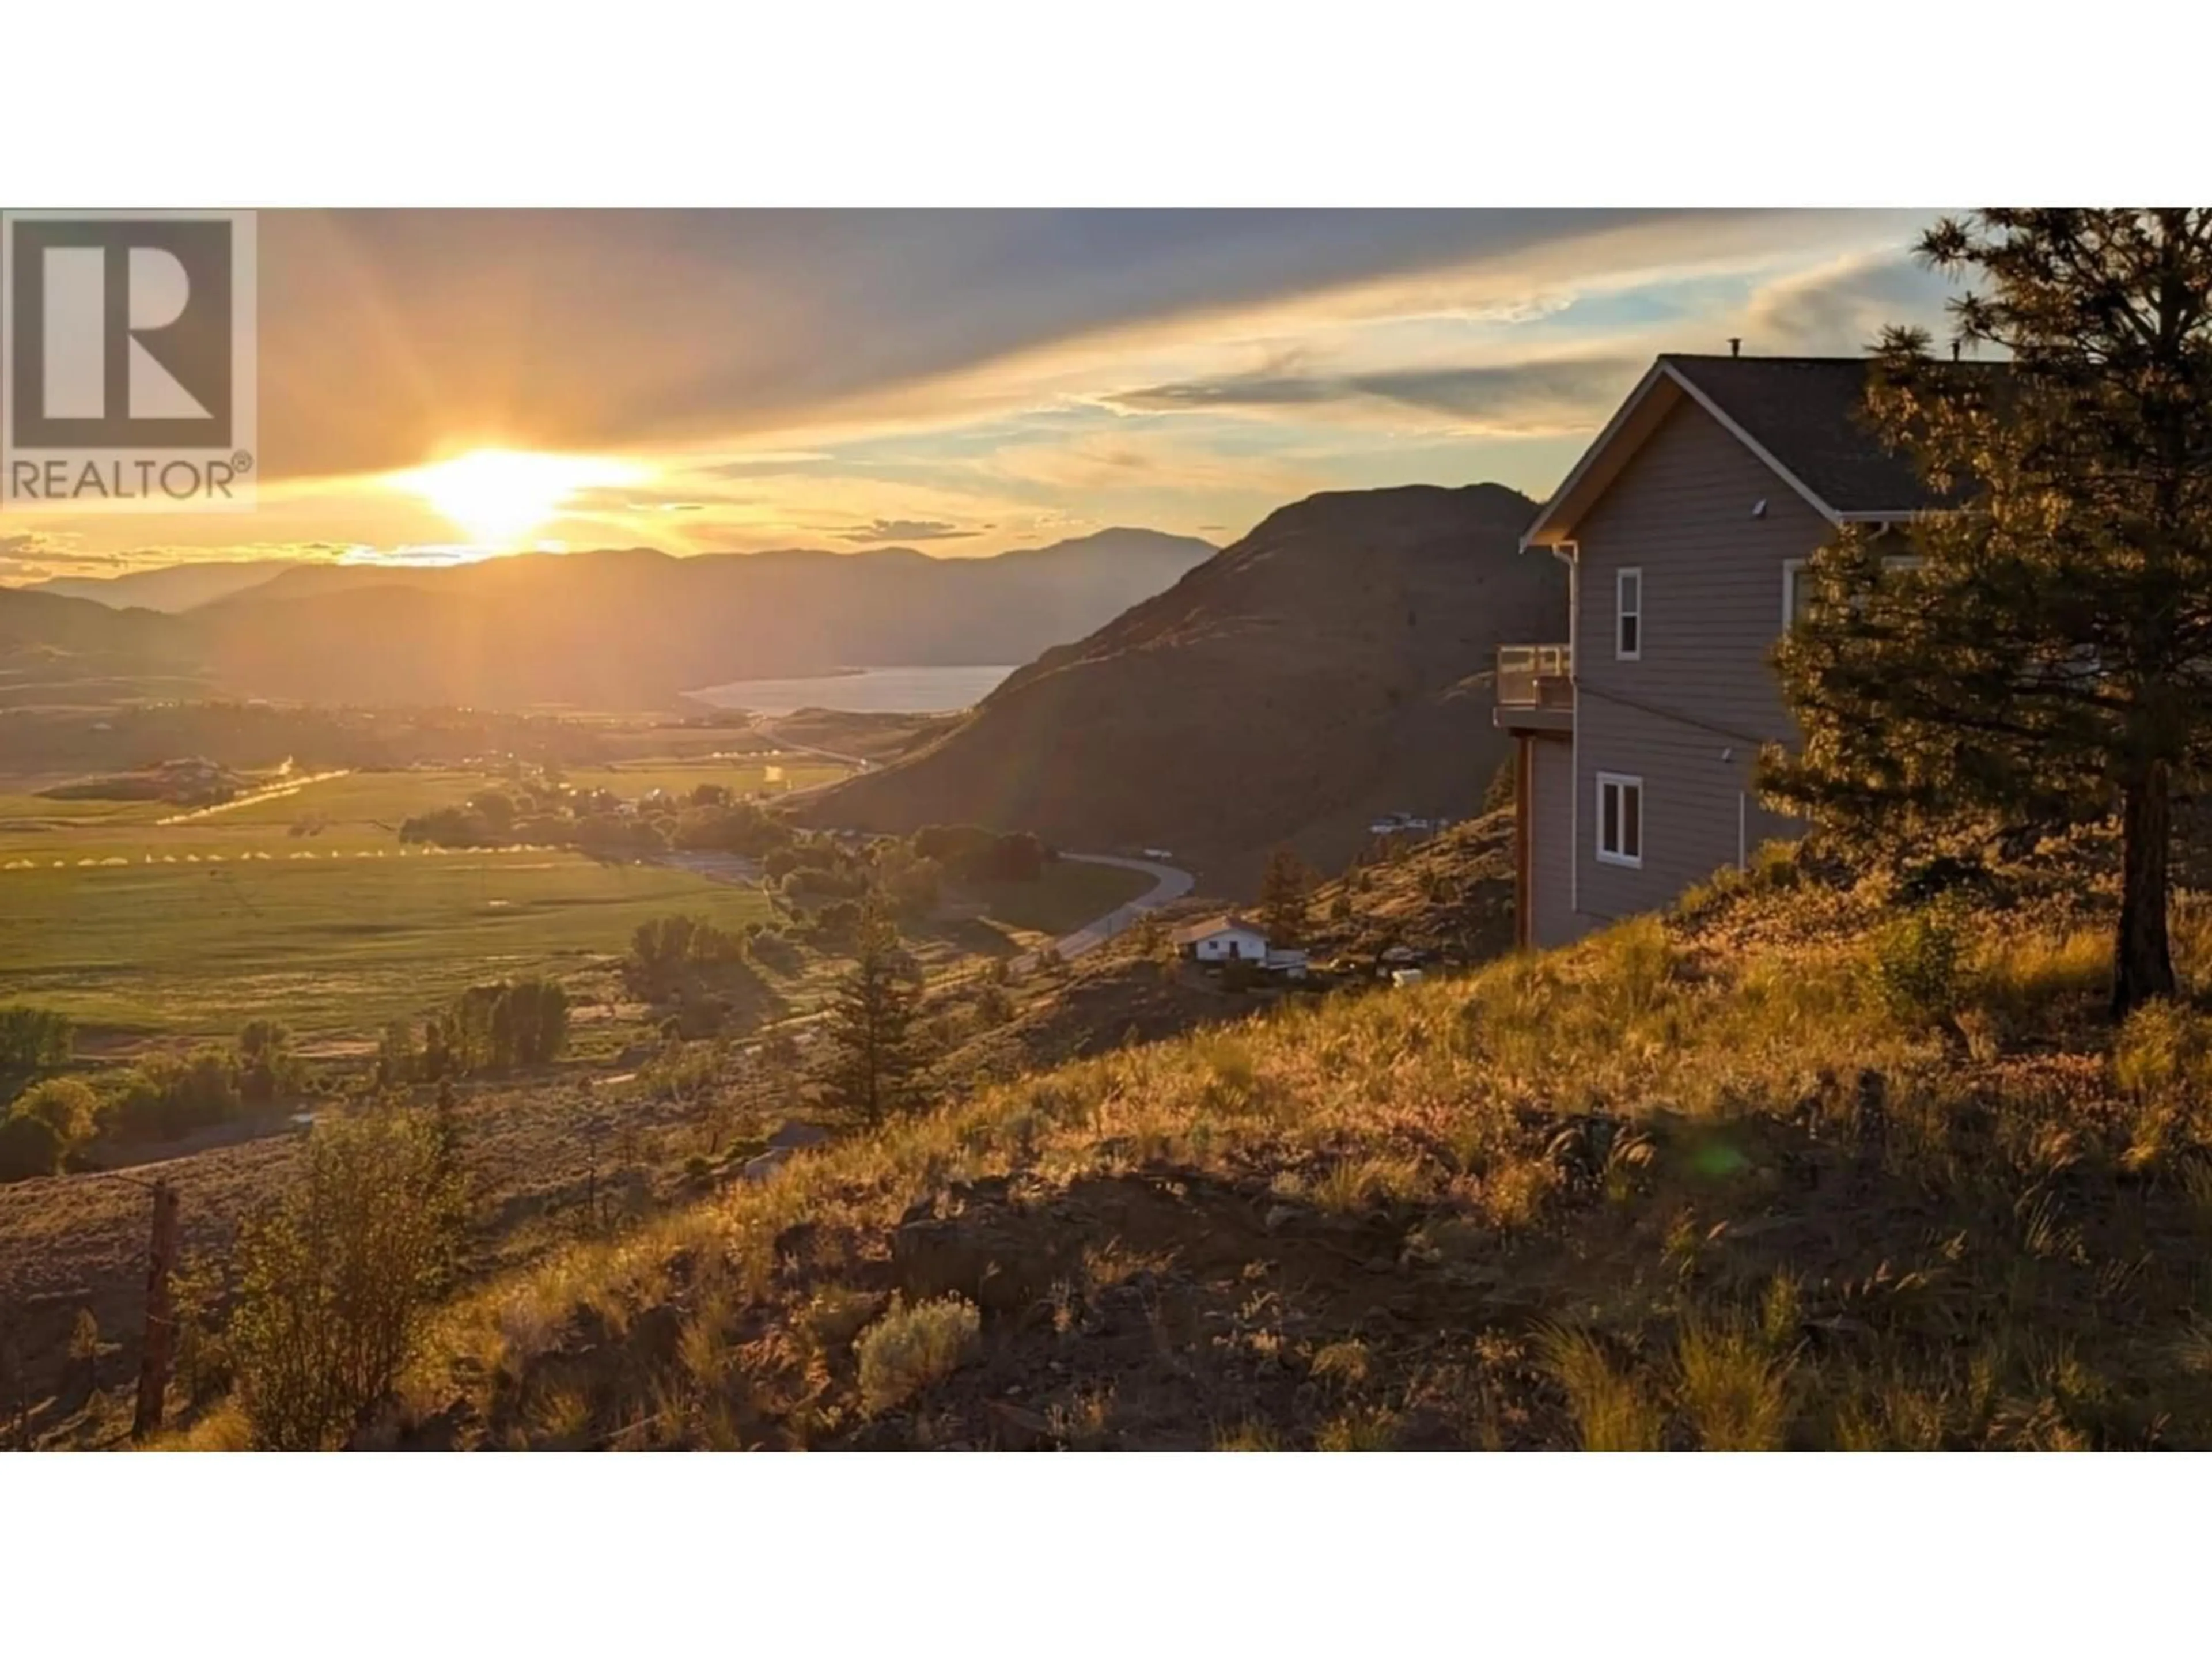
1796, 592
1621, 820
1628, 614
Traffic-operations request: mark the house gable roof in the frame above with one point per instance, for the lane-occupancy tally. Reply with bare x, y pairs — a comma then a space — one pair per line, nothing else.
1800, 416
1212, 925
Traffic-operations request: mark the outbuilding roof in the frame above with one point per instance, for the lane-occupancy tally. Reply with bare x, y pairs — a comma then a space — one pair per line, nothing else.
1194, 931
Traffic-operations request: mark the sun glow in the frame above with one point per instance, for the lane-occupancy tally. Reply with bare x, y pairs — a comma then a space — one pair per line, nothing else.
497, 497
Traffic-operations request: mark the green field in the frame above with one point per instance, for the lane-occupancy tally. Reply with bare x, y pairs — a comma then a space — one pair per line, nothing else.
305, 907
328, 945
134, 918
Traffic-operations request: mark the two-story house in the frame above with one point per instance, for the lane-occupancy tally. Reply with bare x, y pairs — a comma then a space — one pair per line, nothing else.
1684, 529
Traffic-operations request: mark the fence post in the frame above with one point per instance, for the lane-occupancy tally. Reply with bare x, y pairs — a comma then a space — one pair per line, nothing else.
159, 1344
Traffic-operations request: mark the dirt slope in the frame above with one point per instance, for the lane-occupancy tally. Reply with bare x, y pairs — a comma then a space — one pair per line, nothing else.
1331, 665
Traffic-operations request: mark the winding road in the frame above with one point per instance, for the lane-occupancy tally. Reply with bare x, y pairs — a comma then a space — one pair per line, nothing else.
1169, 885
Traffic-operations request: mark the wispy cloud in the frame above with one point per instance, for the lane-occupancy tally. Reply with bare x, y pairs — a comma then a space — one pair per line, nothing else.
908, 530
1515, 399
1842, 305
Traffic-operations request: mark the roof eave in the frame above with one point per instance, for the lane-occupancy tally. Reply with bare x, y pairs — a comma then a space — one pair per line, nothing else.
1554, 526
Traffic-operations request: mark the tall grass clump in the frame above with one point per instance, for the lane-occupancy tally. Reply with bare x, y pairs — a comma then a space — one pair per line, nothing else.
2162, 1066
909, 1348
1735, 1389
2163, 1054
1612, 1412
2019, 977
1633, 963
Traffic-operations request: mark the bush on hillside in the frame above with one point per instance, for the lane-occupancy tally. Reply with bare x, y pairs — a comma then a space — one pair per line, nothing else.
28, 1147
1918, 962
166, 1096
338, 1275
66, 1104
911, 1347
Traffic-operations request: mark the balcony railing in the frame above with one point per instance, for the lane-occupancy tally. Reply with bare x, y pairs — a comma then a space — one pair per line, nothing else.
1536, 677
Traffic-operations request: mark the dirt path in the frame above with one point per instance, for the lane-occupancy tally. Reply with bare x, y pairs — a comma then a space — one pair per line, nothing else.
274, 792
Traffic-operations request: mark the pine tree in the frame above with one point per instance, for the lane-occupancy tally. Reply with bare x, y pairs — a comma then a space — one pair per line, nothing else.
1282, 893
873, 1061
2048, 659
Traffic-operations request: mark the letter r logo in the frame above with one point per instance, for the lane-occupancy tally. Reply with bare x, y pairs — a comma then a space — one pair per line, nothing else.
120, 333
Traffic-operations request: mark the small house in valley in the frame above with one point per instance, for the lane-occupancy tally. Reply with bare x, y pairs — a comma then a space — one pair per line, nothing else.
1223, 939
1219, 940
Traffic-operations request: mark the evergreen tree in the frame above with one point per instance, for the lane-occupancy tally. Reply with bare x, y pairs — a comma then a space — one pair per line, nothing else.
2048, 659
1283, 894
873, 1061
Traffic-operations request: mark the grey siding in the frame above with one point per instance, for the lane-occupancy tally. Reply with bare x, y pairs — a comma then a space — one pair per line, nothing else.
1687, 715
1551, 843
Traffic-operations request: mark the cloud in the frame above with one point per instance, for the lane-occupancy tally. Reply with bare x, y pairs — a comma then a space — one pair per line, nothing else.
1841, 307
387, 338
1513, 398
908, 530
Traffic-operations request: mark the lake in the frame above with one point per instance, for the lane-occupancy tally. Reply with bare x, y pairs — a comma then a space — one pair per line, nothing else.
862, 691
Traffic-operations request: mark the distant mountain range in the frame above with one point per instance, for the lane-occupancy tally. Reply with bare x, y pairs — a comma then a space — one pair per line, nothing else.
172, 587
617, 629
1332, 666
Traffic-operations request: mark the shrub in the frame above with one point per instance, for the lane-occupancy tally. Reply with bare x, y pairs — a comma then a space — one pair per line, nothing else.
267, 1067
32, 1040
28, 1147
167, 1098
499, 1027
668, 950
1917, 965
66, 1105
2163, 1054
911, 1347
337, 1274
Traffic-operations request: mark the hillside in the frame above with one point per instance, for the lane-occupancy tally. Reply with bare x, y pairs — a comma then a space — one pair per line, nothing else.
61, 652
1790, 1167
621, 628
172, 587
1332, 666
1445, 900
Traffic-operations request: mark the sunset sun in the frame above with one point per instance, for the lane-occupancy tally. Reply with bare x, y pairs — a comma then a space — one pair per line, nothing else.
496, 497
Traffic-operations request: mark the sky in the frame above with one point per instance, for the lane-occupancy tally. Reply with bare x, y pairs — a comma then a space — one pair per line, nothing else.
446, 386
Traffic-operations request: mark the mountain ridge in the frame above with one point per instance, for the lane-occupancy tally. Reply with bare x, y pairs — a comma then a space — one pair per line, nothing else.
630, 629
1336, 662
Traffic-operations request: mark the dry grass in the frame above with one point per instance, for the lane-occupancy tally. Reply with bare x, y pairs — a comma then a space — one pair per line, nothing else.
1695, 1183
1610, 1410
